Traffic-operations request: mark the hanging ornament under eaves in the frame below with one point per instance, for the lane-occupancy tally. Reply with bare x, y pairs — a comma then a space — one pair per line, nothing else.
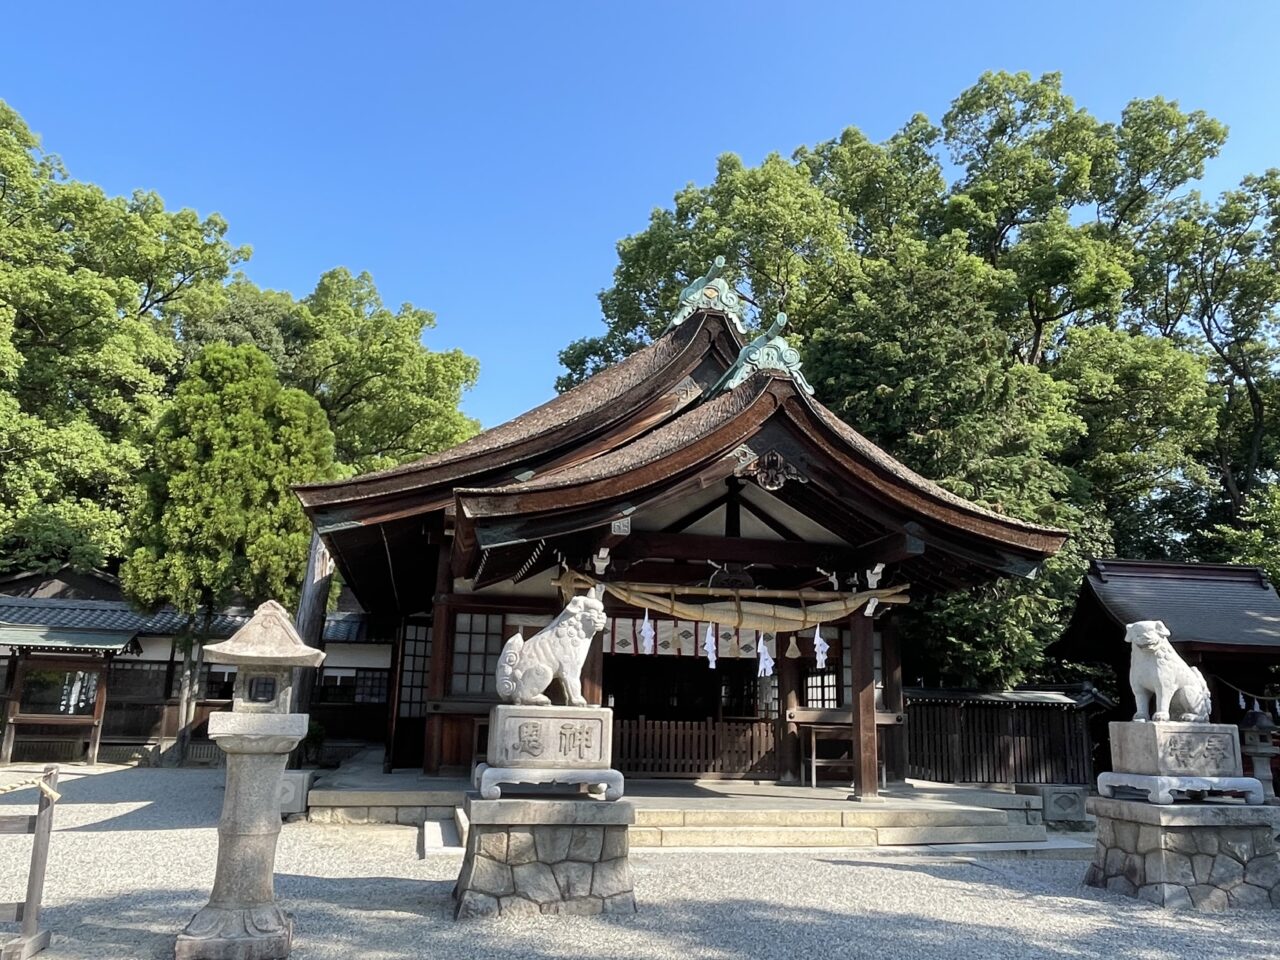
820, 648
709, 646
762, 654
646, 634
793, 648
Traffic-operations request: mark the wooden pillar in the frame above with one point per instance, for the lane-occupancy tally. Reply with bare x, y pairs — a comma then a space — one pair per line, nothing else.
99, 711
309, 621
11, 711
891, 665
441, 657
863, 701
788, 738
593, 672
393, 693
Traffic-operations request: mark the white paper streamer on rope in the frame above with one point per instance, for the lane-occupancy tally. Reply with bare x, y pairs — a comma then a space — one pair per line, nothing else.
1241, 696
647, 634
820, 648
1256, 707
762, 653
709, 646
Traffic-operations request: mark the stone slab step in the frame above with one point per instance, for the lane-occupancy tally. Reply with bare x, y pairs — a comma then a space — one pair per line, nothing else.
855, 816
1008, 833
831, 836
752, 837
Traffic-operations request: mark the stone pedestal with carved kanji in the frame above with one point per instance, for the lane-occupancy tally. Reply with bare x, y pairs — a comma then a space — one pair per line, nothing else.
550, 746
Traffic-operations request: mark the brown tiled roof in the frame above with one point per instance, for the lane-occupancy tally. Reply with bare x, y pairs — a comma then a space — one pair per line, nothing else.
884, 461
651, 447
589, 397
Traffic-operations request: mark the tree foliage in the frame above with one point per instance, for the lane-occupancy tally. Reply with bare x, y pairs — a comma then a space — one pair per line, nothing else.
110, 308
219, 522
1033, 306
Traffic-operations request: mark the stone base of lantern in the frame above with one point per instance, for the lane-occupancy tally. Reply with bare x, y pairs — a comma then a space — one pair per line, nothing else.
1201, 856
533, 856
218, 933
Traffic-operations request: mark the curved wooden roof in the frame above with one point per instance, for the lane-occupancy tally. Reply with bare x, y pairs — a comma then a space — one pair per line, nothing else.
644, 433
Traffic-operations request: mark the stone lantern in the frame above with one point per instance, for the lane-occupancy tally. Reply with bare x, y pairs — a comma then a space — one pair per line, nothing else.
242, 920
1257, 743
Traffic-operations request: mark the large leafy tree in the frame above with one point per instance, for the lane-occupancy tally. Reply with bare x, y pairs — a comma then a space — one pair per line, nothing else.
84, 353
220, 523
388, 397
1060, 329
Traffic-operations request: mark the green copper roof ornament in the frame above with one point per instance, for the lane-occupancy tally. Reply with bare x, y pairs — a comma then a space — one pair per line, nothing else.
710, 292
769, 351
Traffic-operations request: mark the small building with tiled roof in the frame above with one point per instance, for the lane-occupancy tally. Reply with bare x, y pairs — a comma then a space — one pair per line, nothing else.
1222, 618
63, 623
700, 468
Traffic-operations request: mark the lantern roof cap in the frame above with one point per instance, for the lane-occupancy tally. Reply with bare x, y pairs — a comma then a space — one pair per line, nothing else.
267, 640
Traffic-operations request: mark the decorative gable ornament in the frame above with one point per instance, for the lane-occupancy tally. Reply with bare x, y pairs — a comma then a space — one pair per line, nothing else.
769, 351
772, 471
710, 292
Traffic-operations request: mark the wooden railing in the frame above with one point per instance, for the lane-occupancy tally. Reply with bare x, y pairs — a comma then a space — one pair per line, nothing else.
31, 939
996, 743
692, 749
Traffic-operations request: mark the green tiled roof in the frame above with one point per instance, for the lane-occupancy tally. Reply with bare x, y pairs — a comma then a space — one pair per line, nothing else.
65, 638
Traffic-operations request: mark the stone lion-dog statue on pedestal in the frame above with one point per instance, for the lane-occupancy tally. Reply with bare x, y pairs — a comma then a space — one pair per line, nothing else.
556, 652
1156, 670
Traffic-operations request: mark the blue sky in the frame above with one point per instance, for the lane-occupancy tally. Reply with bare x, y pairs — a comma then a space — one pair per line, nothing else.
482, 160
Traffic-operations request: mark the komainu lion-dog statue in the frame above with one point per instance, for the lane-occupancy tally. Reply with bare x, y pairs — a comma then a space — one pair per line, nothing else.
556, 652
1156, 670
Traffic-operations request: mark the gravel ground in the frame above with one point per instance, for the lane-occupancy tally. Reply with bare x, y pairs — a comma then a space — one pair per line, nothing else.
133, 853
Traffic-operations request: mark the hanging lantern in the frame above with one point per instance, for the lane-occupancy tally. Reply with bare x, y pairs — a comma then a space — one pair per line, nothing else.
793, 649
820, 648
762, 653
709, 646
646, 634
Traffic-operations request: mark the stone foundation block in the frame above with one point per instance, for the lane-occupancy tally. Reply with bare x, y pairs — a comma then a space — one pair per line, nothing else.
531, 857
1200, 856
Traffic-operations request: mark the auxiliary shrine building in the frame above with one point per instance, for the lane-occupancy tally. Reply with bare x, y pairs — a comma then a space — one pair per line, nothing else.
752, 546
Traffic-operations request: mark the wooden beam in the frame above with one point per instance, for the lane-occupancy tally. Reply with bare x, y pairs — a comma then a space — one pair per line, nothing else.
693, 516
863, 700
739, 549
788, 736
891, 669
441, 658
773, 523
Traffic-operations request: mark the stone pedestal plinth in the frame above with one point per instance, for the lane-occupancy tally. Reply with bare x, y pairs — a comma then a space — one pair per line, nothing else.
242, 920
1202, 856
1167, 749
549, 745
545, 856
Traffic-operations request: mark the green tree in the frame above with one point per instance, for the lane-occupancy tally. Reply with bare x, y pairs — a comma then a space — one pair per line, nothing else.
84, 353
388, 398
997, 332
220, 523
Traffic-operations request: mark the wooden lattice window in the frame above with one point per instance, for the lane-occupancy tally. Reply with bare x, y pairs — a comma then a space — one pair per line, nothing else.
136, 679
477, 641
414, 667
822, 687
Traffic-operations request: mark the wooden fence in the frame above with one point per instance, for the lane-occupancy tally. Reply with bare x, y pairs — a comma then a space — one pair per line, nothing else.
31, 939
997, 743
709, 748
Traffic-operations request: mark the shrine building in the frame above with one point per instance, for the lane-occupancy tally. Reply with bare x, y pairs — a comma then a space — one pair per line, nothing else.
753, 549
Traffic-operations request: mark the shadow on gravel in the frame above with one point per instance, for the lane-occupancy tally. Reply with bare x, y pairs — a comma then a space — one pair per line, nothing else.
199, 790
387, 918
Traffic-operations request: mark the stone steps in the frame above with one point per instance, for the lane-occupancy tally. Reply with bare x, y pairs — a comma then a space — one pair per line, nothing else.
784, 831
855, 816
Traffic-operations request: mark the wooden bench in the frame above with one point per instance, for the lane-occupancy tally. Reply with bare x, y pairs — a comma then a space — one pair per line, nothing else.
31, 939
824, 724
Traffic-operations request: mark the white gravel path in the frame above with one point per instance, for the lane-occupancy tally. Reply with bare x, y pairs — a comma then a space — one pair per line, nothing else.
133, 853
